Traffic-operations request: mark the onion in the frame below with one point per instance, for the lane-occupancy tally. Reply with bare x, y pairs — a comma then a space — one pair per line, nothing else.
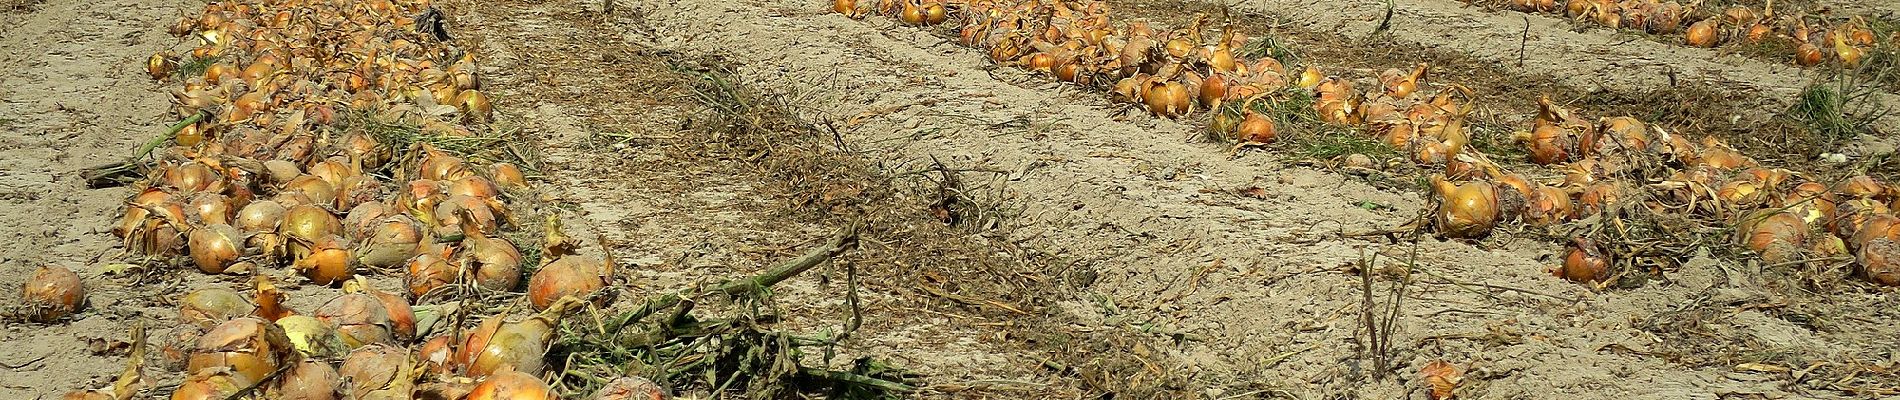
1597, 197
475, 105
630, 388
573, 276
511, 385
438, 165
326, 262
281, 171
1849, 55
212, 208
1468, 211
1880, 262
331, 171
465, 215
474, 186
360, 319
136, 215
436, 355
1584, 262
495, 262
161, 65
215, 248
1255, 129
508, 175
308, 380
215, 384
209, 307
500, 345
318, 190
311, 337
1703, 33
361, 221
391, 242
260, 216
52, 293
427, 272
1860, 186
191, 177
1807, 54
379, 371
1399, 84
1777, 237
252, 348
309, 223
402, 318
1549, 205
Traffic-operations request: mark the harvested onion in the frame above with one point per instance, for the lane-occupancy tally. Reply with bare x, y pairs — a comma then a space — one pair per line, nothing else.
252, 348
1584, 262
360, 319
52, 293
568, 276
1467, 211
308, 380
212, 306
511, 385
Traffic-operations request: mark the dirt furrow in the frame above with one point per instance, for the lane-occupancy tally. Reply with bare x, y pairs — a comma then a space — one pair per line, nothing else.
1232, 258
1590, 60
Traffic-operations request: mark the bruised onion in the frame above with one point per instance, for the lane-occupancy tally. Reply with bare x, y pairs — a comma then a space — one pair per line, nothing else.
568, 276
212, 306
511, 385
1467, 211
252, 348
52, 293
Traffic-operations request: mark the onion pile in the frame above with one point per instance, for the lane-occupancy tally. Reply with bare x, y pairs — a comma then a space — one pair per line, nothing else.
1844, 41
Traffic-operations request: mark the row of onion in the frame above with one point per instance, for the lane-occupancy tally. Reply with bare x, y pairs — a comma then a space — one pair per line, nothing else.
1179, 72
1843, 41
303, 148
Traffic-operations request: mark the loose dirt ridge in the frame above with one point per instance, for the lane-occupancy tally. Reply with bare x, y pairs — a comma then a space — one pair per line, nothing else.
1229, 276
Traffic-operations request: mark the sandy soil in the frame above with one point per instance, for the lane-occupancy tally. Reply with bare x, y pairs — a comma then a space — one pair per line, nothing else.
1227, 277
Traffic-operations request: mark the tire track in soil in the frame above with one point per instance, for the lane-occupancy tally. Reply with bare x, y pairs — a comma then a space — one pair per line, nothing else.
73, 94
569, 76
1128, 197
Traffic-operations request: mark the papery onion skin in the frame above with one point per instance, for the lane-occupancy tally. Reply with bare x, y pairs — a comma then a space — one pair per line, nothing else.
1584, 262
378, 368
215, 248
252, 348
52, 293
212, 306
209, 385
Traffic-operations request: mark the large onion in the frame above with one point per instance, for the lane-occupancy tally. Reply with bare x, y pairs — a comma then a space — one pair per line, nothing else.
215, 248
360, 319
496, 263
308, 380
501, 345
213, 384
260, 216
52, 293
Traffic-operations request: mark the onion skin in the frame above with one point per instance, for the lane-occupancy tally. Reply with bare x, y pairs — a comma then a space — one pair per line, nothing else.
52, 293
1777, 237
360, 319
215, 247
428, 272
511, 385
209, 385
499, 345
379, 371
311, 337
496, 262
630, 388
508, 175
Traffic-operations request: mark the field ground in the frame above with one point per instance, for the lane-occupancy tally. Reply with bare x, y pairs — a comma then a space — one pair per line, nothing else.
1094, 251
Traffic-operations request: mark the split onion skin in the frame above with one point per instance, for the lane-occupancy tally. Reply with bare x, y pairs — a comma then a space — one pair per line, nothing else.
52, 293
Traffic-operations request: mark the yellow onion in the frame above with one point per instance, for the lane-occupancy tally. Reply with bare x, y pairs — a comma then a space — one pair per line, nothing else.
136, 214
1703, 33
507, 175
1880, 262
282, 171
213, 384
1860, 186
934, 13
495, 262
311, 337
1584, 262
1807, 54
1811, 201
402, 318
1597, 197
568, 276
1399, 84
252, 348
1548, 206
426, 272
390, 242
1467, 211
362, 220
215, 248
52, 293
270, 300
511, 385
331, 171
318, 190
209, 307
441, 166
630, 388
912, 14
1852, 215
192, 177
161, 65
465, 215
436, 356
849, 8
310, 223
474, 186
326, 262
379, 371
1255, 129
360, 319
1776, 237
212, 208
1849, 55
308, 380
500, 345
475, 105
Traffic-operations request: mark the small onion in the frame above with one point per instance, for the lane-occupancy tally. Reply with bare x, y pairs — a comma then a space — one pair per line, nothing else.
511, 385
508, 175
209, 307
52, 293
1255, 129
1584, 262
568, 276
1703, 33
